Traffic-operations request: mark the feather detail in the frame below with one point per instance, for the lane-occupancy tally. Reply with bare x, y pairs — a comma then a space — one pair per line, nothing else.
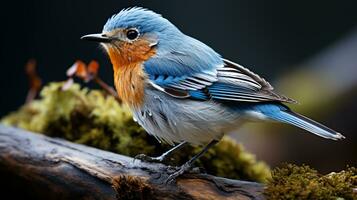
226, 82
262, 89
283, 114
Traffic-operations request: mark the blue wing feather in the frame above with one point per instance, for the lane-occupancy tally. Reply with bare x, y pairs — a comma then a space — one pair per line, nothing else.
193, 70
222, 84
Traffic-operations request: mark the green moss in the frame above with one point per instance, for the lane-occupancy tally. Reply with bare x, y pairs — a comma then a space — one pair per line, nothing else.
230, 158
302, 182
90, 117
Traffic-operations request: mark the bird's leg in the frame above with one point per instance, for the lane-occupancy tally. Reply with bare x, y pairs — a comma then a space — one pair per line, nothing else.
164, 157
187, 166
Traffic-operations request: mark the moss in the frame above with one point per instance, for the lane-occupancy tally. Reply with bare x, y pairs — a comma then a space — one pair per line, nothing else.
128, 187
230, 158
90, 117
302, 182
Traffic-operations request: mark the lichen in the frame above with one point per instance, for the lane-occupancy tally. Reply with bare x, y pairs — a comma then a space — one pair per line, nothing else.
93, 118
302, 182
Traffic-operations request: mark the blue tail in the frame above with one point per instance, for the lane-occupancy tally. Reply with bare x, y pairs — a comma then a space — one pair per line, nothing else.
284, 114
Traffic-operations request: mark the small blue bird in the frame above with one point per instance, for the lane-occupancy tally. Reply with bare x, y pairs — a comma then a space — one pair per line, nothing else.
181, 91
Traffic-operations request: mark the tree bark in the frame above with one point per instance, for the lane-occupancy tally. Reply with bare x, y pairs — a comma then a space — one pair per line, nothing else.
51, 168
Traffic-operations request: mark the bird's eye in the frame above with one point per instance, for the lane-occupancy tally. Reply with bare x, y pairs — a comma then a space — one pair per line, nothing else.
132, 34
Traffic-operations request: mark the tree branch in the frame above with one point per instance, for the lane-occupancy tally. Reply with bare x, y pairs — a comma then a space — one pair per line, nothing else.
59, 169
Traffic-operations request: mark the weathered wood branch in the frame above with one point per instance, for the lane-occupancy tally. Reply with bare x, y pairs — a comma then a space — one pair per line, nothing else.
58, 169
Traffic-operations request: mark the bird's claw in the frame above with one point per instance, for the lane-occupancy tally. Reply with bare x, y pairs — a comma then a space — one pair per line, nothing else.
172, 178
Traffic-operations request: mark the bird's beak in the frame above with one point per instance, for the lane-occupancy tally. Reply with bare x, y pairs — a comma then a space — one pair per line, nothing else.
97, 38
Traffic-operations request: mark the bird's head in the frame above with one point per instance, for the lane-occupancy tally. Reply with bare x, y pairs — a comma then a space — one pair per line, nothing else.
135, 35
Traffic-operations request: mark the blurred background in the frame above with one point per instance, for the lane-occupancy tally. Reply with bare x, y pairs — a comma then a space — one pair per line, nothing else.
306, 49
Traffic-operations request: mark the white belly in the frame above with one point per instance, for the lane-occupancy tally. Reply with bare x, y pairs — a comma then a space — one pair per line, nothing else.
175, 120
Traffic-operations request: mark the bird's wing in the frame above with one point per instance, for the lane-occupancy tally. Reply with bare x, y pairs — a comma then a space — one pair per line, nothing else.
237, 83
227, 82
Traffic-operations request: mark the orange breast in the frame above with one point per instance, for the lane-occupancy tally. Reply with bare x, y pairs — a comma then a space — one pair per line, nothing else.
130, 84
129, 79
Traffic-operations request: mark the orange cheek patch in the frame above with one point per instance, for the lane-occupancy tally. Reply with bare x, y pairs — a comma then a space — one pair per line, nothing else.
128, 53
137, 51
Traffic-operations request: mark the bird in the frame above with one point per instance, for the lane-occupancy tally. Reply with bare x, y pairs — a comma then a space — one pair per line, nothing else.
181, 91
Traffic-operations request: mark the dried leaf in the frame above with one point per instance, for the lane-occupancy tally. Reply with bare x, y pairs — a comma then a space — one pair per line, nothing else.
72, 70
81, 70
93, 67
87, 73
35, 82
67, 84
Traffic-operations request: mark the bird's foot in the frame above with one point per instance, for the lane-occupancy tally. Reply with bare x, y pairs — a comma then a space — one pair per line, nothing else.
145, 158
184, 168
